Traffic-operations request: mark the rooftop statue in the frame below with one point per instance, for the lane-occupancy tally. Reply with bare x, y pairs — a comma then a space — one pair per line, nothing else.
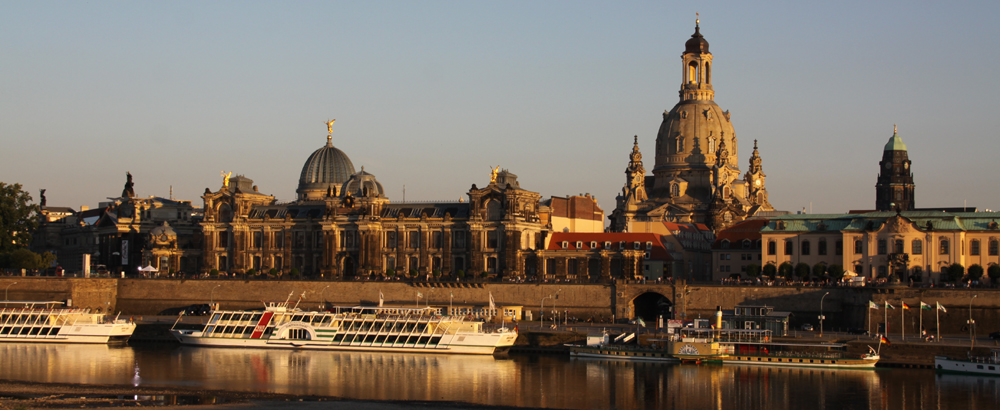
329, 126
225, 179
128, 192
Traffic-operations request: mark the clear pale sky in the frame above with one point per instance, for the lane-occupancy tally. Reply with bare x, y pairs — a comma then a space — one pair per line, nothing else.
430, 94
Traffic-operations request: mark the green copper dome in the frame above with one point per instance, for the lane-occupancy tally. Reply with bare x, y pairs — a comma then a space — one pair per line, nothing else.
895, 143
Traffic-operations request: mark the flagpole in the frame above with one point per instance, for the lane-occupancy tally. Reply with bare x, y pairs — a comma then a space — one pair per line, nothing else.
869, 318
937, 321
886, 317
921, 322
902, 320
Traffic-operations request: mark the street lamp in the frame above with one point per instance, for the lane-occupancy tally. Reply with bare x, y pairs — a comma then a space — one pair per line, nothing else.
541, 311
212, 297
972, 324
6, 289
821, 317
322, 298
555, 312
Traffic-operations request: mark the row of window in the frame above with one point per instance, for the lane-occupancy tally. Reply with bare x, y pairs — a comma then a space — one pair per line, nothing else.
882, 247
351, 239
622, 245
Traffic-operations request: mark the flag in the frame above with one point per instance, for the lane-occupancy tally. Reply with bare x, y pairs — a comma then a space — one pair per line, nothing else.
884, 340
905, 306
925, 306
941, 308
493, 306
640, 322
888, 306
872, 305
381, 298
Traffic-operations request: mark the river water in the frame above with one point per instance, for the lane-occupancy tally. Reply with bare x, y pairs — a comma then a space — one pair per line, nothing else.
549, 381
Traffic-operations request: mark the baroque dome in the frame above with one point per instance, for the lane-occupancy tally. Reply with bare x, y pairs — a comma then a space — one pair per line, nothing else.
325, 170
362, 184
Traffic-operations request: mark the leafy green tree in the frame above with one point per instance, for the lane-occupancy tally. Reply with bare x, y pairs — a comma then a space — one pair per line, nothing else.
413, 273
390, 272
836, 272
272, 272
252, 272
460, 274
25, 259
802, 270
770, 270
994, 273
975, 272
753, 270
436, 273
293, 272
213, 272
819, 270
785, 270
18, 217
955, 272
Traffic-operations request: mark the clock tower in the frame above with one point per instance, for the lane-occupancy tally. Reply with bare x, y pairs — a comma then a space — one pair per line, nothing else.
894, 189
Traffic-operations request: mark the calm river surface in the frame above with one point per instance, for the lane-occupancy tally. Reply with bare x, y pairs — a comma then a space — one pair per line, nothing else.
548, 381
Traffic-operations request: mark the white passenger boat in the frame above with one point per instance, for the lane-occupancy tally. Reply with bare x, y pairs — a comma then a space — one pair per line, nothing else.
46, 322
362, 328
981, 365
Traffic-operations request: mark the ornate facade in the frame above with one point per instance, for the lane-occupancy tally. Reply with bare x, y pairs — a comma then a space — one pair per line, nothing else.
344, 226
696, 178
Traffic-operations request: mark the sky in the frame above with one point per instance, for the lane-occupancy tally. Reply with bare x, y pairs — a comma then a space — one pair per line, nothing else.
429, 95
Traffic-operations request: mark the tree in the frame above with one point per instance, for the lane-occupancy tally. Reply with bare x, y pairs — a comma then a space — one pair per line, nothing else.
18, 217
460, 274
770, 270
213, 272
390, 272
955, 272
819, 270
785, 270
994, 273
975, 272
25, 259
802, 270
753, 270
836, 272
272, 272
252, 272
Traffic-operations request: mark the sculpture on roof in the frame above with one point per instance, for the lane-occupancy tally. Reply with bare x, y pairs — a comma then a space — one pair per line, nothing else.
41, 199
329, 126
128, 192
493, 174
225, 178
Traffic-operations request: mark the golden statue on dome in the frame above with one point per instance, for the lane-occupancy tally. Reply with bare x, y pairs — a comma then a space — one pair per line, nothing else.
493, 174
225, 178
329, 126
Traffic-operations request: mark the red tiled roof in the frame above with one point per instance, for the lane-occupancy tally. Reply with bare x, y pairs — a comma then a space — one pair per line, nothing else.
657, 253
743, 230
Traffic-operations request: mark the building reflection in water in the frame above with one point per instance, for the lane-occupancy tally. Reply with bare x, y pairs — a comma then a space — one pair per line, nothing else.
550, 381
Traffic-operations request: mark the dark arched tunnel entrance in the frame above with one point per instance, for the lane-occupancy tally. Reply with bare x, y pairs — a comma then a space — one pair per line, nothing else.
651, 305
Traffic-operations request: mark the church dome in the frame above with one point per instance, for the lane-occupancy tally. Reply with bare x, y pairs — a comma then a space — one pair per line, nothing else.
326, 169
362, 185
895, 143
697, 43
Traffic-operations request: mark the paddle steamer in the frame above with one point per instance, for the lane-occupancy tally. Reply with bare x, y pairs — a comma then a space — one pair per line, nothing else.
46, 322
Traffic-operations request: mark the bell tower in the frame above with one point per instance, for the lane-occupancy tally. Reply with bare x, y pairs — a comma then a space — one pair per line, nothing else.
895, 188
696, 83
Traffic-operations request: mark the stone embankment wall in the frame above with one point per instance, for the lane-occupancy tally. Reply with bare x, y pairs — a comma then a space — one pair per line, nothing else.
843, 307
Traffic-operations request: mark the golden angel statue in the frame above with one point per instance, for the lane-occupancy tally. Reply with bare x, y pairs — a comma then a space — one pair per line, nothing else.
225, 178
493, 174
329, 126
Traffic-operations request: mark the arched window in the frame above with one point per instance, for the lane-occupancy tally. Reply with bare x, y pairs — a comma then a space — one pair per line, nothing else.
747, 244
708, 73
897, 246
882, 247
725, 244
859, 247
692, 72
772, 248
788, 247
994, 247
945, 247
974, 247
917, 247
806, 247
680, 145
675, 190
821, 247
493, 210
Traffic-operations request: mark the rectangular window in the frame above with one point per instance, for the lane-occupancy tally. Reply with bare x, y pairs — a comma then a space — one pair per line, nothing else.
318, 239
258, 237
491, 239
897, 246
917, 247
859, 247
772, 247
806, 248
300, 239
839, 248
881, 247
414, 240
821, 248
722, 256
945, 247
223, 239
994, 247
459, 239
788, 247
279, 240
974, 247
436, 239
390, 240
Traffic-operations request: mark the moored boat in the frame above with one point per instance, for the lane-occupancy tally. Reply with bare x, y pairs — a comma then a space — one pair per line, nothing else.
980, 365
46, 322
757, 347
603, 347
358, 328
